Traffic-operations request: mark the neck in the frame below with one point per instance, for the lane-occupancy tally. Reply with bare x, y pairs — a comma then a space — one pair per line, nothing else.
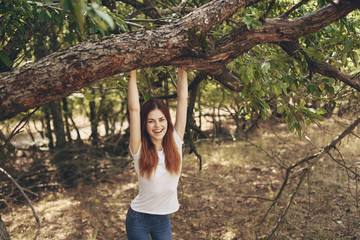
158, 144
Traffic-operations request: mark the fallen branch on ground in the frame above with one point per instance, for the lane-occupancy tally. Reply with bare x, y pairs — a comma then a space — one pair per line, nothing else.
290, 169
26, 198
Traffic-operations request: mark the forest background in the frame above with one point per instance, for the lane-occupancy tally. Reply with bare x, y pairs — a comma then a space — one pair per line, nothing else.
272, 130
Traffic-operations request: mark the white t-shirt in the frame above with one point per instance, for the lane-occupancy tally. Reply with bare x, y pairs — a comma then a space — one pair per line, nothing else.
157, 195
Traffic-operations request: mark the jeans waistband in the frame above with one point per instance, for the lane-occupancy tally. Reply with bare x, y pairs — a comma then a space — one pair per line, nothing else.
133, 212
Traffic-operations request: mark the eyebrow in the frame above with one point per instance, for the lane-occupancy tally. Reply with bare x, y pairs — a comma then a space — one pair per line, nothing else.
154, 118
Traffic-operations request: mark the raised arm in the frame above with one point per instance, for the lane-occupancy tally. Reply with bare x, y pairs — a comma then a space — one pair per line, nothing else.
181, 107
134, 111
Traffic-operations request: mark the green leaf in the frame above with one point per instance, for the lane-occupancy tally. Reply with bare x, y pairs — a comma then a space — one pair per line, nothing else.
348, 45
265, 79
252, 22
329, 89
88, 96
240, 110
255, 24
344, 57
276, 89
283, 87
122, 28
265, 66
291, 126
48, 14
355, 58
257, 85
76, 7
250, 74
105, 18
5, 58
280, 109
321, 111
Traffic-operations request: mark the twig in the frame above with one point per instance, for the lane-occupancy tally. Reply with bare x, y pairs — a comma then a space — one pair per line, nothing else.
277, 196
26, 198
281, 218
171, 77
343, 164
193, 149
257, 197
134, 24
324, 150
154, 8
287, 13
9, 146
157, 20
331, 2
50, 6
262, 18
327, 148
200, 179
280, 163
18, 128
348, 171
356, 193
308, 188
171, 9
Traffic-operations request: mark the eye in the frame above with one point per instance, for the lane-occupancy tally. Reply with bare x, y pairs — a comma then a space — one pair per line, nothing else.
162, 119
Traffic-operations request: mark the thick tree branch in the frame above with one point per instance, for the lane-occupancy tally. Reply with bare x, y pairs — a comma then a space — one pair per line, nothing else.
229, 81
329, 70
64, 72
321, 67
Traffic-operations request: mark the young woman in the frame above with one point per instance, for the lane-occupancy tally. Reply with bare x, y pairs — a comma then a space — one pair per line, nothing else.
156, 147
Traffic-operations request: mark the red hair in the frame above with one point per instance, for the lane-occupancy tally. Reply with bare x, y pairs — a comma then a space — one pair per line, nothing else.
148, 156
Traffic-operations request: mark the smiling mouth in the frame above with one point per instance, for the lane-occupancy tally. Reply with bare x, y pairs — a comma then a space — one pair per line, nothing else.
158, 131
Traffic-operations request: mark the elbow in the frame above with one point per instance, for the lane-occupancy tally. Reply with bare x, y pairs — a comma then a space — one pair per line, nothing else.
134, 108
182, 97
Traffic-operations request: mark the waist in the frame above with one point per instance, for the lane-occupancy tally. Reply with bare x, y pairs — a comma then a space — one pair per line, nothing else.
145, 215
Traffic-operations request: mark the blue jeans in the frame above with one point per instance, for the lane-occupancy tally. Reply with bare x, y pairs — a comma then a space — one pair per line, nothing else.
139, 226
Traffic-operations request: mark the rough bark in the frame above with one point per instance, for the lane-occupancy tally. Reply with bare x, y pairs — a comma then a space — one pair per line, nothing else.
4, 235
321, 67
181, 43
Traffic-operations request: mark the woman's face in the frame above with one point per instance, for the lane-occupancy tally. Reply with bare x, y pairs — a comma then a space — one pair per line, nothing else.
156, 125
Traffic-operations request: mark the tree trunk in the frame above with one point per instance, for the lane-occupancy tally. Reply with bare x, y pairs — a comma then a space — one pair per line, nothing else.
48, 133
180, 43
66, 116
93, 121
55, 109
4, 235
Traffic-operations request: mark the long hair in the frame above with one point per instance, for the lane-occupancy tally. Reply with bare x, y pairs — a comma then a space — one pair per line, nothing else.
148, 155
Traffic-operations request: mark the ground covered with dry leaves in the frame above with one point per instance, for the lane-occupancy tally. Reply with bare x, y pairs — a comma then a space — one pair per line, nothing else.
228, 199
